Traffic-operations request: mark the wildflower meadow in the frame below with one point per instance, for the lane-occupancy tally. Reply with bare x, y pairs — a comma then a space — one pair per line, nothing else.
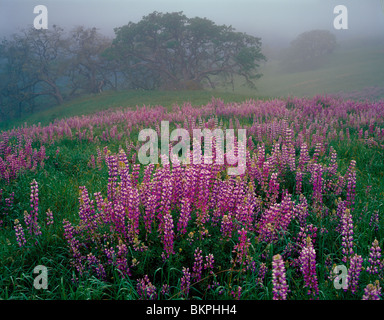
303, 220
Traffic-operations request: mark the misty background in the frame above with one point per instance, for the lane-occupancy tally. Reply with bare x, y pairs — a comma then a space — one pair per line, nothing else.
277, 22
355, 68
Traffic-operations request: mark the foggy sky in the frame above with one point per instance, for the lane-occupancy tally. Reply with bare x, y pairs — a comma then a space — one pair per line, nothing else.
272, 20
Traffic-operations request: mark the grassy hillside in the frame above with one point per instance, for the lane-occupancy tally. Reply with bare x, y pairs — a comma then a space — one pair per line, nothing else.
348, 69
126, 99
351, 68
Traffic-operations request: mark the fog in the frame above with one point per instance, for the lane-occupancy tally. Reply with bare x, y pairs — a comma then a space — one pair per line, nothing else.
357, 67
275, 21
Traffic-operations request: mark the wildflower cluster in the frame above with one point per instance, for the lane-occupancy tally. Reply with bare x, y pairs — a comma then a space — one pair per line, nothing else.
193, 221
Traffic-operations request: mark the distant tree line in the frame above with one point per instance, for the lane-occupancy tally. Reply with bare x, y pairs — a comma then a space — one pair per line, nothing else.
162, 51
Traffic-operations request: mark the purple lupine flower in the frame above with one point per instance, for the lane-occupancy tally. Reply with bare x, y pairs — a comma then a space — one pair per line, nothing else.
113, 171
185, 281
241, 249
351, 184
197, 265
74, 245
374, 221
86, 209
110, 254
299, 181
304, 156
166, 197
374, 258
185, 216
339, 186
262, 272
317, 181
97, 266
355, 268
279, 281
121, 259
290, 149
168, 234
145, 289
333, 163
150, 212
35, 208
91, 162
226, 227
8, 202
301, 211
276, 219
49, 217
28, 222
99, 159
372, 292
347, 235
307, 261
165, 290
209, 261
309, 230
135, 173
273, 190
236, 294
317, 152
20, 237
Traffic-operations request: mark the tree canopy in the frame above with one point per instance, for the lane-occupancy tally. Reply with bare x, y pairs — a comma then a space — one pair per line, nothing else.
162, 51
172, 51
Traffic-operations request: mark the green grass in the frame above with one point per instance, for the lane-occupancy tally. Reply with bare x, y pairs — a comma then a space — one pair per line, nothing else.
347, 69
125, 99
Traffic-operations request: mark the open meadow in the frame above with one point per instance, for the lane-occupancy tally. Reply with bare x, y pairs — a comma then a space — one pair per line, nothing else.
76, 200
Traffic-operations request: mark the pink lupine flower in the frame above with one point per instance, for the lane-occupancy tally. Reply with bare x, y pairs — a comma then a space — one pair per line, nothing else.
301, 211
145, 289
20, 237
74, 245
236, 294
354, 271
97, 266
333, 163
197, 265
374, 221
185, 282
273, 190
168, 234
49, 218
279, 281
347, 235
226, 227
121, 259
299, 181
351, 184
262, 272
209, 261
307, 261
241, 249
35, 208
185, 216
372, 292
304, 157
374, 258
317, 181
